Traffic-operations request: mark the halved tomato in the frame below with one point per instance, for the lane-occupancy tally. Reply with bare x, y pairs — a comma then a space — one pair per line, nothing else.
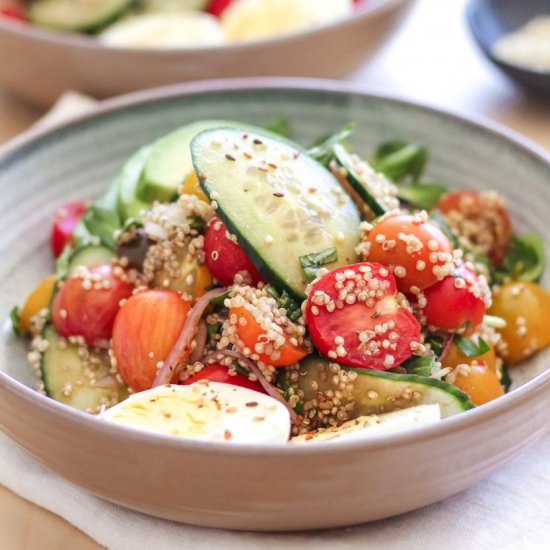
219, 373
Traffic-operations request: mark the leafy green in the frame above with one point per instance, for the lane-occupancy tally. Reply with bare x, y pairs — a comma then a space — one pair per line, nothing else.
398, 160
284, 300
15, 320
470, 348
278, 125
322, 151
505, 379
130, 224
197, 223
436, 342
524, 260
311, 263
63, 261
219, 300
102, 223
421, 365
424, 195
213, 328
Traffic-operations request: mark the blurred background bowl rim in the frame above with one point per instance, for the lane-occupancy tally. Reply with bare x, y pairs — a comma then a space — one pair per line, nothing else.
370, 8
32, 138
471, 13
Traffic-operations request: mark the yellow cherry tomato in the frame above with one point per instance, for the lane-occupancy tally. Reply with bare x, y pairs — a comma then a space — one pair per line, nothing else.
525, 307
454, 357
36, 301
479, 382
191, 186
192, 278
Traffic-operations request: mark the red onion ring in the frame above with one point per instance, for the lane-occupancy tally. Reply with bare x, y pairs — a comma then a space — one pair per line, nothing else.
200, 342
182, 348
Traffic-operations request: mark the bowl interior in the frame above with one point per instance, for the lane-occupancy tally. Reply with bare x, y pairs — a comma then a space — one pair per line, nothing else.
79, 160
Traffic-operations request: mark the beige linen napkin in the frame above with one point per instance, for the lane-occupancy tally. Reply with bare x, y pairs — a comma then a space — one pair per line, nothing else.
509, 511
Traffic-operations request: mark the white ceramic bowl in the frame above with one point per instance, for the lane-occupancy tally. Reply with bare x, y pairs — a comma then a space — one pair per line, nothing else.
39, 64
266, 487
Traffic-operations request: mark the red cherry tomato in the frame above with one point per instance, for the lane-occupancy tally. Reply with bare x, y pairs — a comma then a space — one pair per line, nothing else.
481, 218
354, 316
64, 222
417, 251
225, 258
145, 331
219, 373
217, 7
458, 299
15, 13
87, 305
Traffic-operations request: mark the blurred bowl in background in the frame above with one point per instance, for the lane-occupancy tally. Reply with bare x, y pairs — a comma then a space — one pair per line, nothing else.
39, 64
490, 20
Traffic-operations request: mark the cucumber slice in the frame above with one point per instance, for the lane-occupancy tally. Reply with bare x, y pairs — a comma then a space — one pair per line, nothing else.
377, 392
127, 181
77, 15
89, 255
171, 6
366, 186
280, 203
169, 162
67, 379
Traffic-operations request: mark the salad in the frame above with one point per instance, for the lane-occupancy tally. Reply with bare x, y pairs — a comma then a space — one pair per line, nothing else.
176, 23
233, 285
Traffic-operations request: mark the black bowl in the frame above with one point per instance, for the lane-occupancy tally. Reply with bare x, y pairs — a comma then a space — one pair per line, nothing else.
491, 19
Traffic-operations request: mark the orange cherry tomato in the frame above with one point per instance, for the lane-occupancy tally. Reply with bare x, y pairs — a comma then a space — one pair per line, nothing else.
454, 357
479, 382
525, 307
145, 331
481, 218
36, 301
417, 251
254, 337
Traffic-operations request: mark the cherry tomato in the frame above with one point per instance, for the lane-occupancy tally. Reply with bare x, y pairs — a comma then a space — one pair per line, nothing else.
457, 300
454, 357
217, 7
86, 304
481, 218
354, 316
225, 258
479, 382
36, 301
192, 186
145, 331
417, 251
64, 222
219, 373
14, 12
526, 309
252, 334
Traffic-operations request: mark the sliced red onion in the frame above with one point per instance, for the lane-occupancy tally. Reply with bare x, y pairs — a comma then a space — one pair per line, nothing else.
200, 342
179, 354
269, 388
445, 346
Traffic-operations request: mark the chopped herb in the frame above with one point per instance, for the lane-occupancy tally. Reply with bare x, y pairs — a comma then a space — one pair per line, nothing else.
213, 328
130, 224
436, 342
398, 160
505, 378
524, 261
62, 262
241, 370
311, 263
323, 152
470, 348
285, 301
15, 320
219, 300
278, 125
423, 195
197, 223
421, 365
102, 223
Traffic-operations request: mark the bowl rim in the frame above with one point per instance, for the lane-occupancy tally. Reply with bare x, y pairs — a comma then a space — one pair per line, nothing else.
368, 9
463, 421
